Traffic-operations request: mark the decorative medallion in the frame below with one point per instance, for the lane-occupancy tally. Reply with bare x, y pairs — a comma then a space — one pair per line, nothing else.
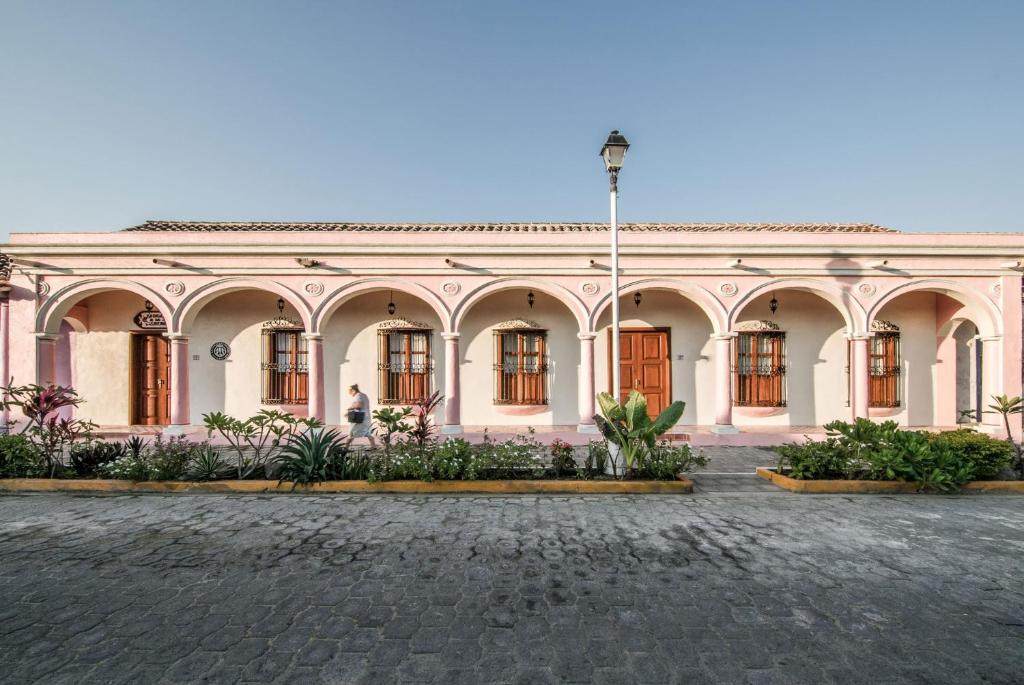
43, 288
866, 289
220, 351
589, 288
728, 288
519, 324
314, 288
450, 288
996, 289
755, 326
175, 288
150, 319
402, 325
883, 326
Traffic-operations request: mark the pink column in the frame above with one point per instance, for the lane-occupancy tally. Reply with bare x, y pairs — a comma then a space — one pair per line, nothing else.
452, 391
859, 381
586, 397
180, 412
992, 383
723, 384
46, 358
315, 361
5, 354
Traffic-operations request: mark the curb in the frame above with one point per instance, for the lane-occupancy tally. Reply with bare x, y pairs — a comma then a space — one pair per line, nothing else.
502, 487
877, 487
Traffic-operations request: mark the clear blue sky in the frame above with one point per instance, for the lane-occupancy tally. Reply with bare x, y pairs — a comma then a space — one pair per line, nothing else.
907, 114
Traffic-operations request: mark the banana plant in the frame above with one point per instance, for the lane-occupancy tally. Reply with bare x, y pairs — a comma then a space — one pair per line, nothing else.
1006, 407
630, 428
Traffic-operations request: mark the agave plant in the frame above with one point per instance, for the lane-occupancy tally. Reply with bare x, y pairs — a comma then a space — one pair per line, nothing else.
313, 457
257, 439
630, 428
1005, 407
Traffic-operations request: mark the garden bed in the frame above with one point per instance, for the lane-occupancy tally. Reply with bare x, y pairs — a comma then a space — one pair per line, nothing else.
553, 486
877, 487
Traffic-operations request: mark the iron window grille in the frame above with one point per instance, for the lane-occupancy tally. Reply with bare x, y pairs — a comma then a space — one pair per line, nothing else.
760, 366
520, 366
285, 369
404, 365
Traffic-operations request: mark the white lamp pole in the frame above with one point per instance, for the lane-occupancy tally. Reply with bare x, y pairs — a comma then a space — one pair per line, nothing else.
613, 152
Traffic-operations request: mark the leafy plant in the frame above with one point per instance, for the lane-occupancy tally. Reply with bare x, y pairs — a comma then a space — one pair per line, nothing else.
517, 457
629, 428
990, 456
208, 463
1007, 407
128, 467
423, 425
169, 459
667, 461
87, 457
136, 446
597, 458
451, 459
19, 458
391, 422
50, 434
315, 456
563, 458
258, 439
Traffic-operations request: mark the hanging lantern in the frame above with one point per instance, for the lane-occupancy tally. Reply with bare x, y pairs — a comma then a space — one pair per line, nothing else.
391, 303
637, 297
280, 305
149, 306
530, 299
773, 304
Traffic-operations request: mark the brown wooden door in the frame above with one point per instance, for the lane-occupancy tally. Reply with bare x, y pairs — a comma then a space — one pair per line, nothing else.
151, 386
644, 366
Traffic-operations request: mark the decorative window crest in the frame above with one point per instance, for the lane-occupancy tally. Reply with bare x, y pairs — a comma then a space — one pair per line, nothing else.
756, 326
400, 324
883, 326
519, 324
281, 322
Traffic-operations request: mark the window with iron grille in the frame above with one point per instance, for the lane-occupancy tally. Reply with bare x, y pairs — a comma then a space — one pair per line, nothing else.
520, 367
404, 365
284, 367
884, 370
761, 369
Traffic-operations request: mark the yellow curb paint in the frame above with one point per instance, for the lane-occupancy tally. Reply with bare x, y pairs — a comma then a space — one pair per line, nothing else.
876, 487
681, 486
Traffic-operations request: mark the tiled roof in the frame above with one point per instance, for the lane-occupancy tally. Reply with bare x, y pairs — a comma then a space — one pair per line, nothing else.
224, 226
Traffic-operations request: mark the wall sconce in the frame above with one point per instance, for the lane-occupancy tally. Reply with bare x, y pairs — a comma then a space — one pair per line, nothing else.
391, 303
773, 304
530, 299
637, 297
280, 305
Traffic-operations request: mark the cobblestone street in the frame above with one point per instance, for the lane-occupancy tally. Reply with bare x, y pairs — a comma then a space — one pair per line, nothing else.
730, 587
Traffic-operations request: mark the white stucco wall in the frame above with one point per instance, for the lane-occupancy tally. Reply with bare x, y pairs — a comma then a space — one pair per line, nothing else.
101, 358
477, 369
350, 347
816, 384
691, 349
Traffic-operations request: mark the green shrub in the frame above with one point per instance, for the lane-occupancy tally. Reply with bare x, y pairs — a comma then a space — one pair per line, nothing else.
87, 457
128, 467
597, 458
989, 455
208, 463
169, 459
515, 458
19, 458
563, 459
666, 461
451, 459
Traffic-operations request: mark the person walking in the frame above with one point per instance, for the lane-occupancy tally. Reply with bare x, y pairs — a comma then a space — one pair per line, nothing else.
359, 419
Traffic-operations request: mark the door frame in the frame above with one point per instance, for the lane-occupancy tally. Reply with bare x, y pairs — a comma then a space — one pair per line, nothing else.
645, 329
133, 378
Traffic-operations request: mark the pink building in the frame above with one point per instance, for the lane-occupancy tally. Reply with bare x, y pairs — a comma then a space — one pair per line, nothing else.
763, 330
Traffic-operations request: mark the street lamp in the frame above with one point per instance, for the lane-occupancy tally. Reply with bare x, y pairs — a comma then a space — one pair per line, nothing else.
613, 153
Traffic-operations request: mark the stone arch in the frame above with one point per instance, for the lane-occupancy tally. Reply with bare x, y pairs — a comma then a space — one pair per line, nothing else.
982, 311
326, 309
708, 303
186, 312
848, 307
558, 292
60, 303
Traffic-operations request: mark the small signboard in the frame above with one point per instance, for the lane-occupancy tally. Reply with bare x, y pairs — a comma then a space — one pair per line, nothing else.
220, 351
150, 320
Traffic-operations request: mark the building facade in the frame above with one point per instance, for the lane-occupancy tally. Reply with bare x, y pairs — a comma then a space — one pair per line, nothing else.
760, 329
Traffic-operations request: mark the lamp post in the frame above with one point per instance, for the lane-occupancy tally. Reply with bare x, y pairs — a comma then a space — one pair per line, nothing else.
613, 152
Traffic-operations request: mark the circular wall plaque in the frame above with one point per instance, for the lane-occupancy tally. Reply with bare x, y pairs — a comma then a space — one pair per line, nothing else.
220, 351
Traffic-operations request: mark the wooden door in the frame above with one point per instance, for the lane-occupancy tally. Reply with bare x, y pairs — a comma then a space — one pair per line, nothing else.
151, 386
644, 366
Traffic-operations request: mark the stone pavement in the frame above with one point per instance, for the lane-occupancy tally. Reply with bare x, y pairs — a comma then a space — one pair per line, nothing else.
733, 588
